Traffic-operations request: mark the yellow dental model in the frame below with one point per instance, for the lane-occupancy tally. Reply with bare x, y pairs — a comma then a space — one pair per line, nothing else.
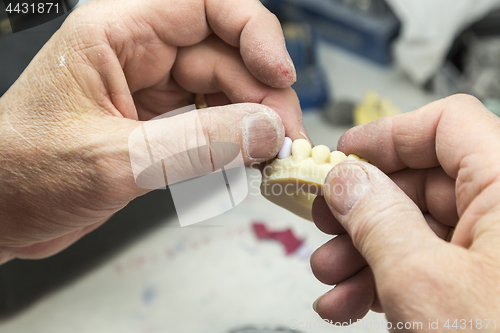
296, 176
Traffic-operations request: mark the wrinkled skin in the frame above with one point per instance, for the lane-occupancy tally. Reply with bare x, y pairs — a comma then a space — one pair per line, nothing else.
433, 169
64, 125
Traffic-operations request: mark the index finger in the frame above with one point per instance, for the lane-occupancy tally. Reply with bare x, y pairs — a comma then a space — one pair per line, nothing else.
446, 133
458, 133
245, 24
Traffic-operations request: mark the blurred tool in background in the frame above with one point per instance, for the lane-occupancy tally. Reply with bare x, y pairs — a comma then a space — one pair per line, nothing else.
349, 113
428, 30
365, 27
340, 112
473, 64
372, 108
371, 28
312, 85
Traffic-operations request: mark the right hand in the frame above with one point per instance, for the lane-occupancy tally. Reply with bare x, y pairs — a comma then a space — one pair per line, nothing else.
443, 169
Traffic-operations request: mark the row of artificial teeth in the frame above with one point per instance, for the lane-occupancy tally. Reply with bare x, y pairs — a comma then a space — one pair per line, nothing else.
301, 149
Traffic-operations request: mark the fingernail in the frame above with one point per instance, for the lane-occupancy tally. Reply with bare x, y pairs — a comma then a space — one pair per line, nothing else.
261, 136
344, 186
315, 304
303, 131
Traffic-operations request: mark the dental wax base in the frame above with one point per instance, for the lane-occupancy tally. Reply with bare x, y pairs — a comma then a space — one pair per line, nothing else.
296, 177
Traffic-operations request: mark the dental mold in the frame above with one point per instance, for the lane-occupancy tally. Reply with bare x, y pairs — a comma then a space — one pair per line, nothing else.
293, 182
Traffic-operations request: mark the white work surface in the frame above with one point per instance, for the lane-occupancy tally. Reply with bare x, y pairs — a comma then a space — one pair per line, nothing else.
217, 276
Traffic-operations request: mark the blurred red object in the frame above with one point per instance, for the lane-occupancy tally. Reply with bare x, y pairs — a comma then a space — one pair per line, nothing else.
285, 237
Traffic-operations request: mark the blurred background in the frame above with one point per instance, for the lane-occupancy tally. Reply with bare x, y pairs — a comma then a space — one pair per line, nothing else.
357, 60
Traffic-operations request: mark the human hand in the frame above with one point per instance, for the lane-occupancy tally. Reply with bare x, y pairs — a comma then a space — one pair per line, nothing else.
65, 124
390, 256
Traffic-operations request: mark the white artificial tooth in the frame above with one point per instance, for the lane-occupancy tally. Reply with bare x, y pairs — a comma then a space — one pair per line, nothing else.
286, 149
337, 157
353, 157
321, 154
301, 149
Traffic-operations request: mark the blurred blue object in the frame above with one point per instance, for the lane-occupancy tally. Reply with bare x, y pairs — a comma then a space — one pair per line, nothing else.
312, 85
365, 27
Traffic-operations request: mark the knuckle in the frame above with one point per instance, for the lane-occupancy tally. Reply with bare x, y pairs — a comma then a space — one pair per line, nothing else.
273, 18
461, 100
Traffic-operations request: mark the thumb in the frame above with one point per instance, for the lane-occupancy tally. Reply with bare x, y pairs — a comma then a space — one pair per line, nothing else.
385, 225
192, 144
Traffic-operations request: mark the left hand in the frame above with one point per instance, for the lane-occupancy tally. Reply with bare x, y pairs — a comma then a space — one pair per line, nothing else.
65, 123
